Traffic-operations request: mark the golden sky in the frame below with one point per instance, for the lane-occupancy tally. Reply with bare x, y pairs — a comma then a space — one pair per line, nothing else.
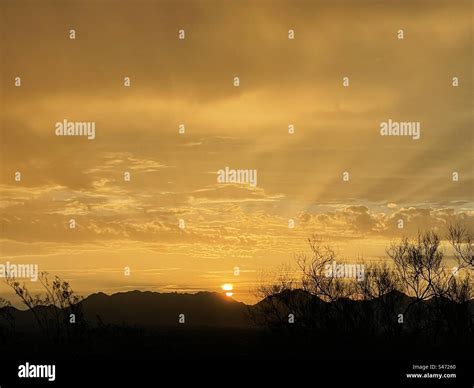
173, 176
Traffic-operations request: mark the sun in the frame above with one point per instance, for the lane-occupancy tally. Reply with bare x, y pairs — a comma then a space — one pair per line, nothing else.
227, 287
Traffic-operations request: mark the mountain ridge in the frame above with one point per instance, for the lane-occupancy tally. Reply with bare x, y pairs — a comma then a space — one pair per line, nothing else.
204, 308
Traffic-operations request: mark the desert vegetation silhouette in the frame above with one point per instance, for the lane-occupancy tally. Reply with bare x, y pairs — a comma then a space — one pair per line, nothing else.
415, 294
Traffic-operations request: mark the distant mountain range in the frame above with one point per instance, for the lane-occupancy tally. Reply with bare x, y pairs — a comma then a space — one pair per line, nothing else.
206, 309
164, 309
151, 309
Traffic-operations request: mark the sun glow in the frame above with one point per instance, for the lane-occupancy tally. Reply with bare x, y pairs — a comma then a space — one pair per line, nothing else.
227, 287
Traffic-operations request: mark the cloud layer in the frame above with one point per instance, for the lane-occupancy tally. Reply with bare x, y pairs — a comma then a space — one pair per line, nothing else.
190, 82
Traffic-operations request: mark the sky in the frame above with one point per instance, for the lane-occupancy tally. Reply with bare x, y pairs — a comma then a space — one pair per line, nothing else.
190, 81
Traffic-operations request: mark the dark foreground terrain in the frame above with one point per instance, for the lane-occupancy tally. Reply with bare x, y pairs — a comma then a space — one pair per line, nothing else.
135, 329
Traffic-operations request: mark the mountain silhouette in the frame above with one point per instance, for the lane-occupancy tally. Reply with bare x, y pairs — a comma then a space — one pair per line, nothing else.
164, 309
150, 309
212, 309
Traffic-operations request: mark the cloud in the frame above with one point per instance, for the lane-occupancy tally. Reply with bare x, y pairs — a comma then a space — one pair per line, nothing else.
360, 222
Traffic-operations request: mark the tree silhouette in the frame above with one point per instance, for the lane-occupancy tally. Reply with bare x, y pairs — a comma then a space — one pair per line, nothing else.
461, 240
58, 312
417, 284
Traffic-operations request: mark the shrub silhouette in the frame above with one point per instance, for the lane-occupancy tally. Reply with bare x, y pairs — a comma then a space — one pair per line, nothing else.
415, 293
54, 309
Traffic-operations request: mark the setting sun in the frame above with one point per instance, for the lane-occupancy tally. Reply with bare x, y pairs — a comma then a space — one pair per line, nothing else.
227, 287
